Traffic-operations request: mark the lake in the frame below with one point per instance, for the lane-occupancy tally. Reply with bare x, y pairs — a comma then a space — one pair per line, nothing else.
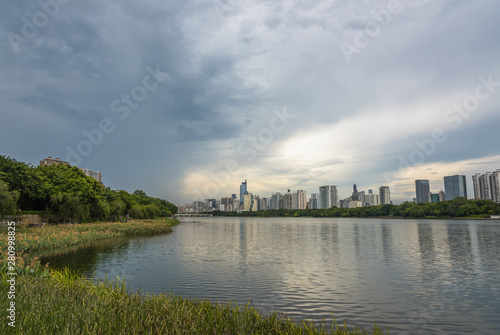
415, 276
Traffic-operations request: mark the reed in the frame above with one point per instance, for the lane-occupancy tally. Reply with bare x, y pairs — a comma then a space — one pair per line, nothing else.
66, 303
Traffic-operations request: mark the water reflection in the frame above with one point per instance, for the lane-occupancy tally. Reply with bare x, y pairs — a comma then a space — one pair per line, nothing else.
414, 275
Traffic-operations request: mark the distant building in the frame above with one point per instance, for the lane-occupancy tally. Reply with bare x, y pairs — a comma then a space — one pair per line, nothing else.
422, 190
276, 201
434, 198
288, 200
455, 186
371, 199
94, 174
248, 202
243, 189
313, 202
355, 203
49, 161
385, 195
442, 196
487, 186
328, 197
301, 200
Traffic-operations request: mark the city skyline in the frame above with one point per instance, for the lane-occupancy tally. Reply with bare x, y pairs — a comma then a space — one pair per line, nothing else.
186, 99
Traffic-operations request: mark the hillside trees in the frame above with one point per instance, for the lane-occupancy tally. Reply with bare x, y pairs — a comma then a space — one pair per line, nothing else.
67, 193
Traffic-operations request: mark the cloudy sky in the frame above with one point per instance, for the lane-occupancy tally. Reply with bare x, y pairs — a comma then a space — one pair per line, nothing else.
186, 99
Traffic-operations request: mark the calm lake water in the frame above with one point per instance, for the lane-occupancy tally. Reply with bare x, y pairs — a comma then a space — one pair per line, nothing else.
415, 276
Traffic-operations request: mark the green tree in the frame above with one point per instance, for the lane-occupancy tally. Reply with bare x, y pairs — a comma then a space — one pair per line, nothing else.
8, 200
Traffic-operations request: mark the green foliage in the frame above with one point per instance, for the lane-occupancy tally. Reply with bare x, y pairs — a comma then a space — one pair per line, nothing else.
77, 305
8, 200
459, 207
66, 194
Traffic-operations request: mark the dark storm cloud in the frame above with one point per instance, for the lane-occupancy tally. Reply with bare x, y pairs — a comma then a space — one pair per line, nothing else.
227, 67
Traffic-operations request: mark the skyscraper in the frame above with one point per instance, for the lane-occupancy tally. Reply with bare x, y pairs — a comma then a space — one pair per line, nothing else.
324, 197
313, 202
423, 191
385, 195
243, 189
328, 197
455, 186
288, 200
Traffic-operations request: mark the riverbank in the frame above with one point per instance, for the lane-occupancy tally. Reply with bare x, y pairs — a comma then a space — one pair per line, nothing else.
67, 303
49, 301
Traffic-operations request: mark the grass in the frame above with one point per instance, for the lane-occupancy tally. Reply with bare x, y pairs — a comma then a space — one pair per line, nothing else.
66, 303
50, 301
30, 240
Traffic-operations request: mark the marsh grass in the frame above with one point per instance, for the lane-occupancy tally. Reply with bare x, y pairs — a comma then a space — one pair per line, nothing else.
67, 303
50, 301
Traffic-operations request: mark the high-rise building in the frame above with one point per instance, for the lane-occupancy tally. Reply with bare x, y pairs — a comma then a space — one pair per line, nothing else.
248, 202
422, 190
495, 186
487, 186
371, 199
334, 196
324, 197
301, 199
288, 200
93, 174
275, 200
434, 198
455, 186
442, 196
328, 197
385, 195
243, 189
313, 202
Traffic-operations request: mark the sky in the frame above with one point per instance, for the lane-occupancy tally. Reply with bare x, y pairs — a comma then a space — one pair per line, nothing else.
187, 99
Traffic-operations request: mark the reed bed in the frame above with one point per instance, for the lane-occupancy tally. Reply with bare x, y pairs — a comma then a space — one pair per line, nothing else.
30, 240
66, 303
50, 301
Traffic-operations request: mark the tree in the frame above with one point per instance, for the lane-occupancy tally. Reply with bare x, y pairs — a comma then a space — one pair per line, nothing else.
8, 200
140, 193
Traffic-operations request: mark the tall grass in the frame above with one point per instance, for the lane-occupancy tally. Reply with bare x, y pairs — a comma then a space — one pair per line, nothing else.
50, 301
32, 240
66, 303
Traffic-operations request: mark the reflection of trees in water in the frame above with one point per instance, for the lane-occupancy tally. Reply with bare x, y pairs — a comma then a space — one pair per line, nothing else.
84, 258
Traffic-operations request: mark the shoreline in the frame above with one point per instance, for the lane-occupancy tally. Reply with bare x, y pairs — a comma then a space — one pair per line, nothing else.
66, 296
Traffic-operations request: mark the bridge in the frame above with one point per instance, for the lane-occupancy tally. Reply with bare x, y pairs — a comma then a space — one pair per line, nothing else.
192, 215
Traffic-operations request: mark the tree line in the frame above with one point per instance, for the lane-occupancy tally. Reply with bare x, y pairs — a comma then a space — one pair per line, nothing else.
458, 207
64, 193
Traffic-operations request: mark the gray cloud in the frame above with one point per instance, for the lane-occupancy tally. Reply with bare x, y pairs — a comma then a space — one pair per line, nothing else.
230, 66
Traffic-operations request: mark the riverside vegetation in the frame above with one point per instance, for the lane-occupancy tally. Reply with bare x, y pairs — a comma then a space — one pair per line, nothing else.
50, 301
457, 208
61, 193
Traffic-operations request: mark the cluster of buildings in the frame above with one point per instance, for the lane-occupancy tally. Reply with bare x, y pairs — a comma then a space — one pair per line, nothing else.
486, 187
327, 197
49, 161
